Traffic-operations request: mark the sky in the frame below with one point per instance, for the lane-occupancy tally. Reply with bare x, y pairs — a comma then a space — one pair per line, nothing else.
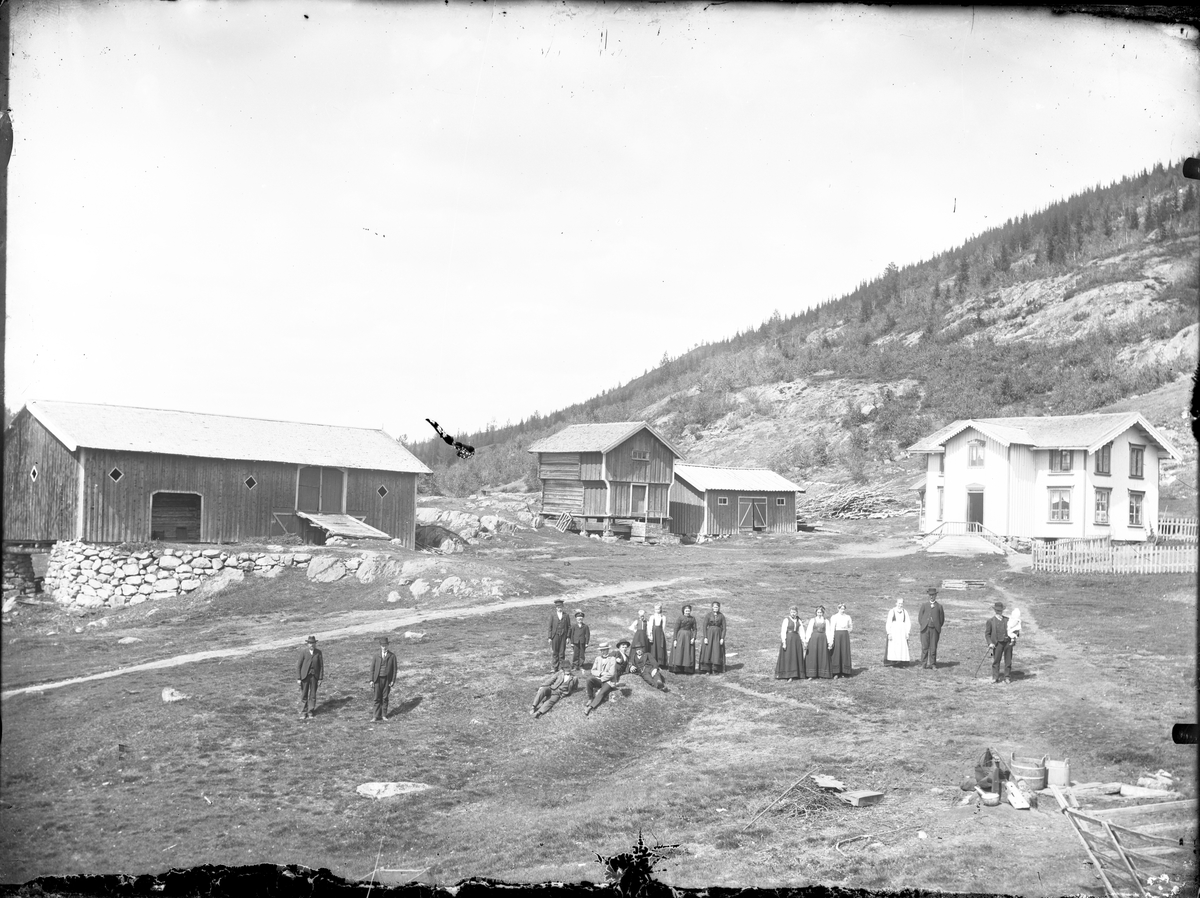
372, 214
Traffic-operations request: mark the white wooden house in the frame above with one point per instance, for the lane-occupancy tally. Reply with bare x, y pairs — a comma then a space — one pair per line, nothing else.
1064, 477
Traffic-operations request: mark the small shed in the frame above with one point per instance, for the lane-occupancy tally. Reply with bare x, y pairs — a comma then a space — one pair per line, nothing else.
711, 500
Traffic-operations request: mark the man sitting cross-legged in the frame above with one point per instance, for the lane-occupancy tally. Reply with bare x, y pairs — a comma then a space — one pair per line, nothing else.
603, 678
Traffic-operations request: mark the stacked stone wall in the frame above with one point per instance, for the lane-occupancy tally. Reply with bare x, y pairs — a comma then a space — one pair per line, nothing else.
107, 576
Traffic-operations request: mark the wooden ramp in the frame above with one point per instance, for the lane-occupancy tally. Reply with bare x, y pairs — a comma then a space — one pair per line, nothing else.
342, 525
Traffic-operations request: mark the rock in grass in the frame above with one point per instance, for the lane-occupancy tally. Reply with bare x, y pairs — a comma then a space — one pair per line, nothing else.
389, 790
173, 695
127, 640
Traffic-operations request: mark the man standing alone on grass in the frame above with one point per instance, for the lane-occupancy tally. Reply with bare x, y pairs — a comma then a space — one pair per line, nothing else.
999, 645
309, 673
383, 675
560, 632
602, 679
558, 685
930, 619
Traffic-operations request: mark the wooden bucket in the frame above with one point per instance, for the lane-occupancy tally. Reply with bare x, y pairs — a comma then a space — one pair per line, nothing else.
1058, 773
1031, 770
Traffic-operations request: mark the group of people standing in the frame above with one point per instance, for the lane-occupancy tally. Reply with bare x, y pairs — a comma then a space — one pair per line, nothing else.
818, 648
310, 671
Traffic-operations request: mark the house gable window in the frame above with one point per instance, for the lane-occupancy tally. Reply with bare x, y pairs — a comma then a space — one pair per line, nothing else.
1061, 460
1103, 501
1104, 459
1135, 508
1137, 460
1060, 505
641, 455
975, 454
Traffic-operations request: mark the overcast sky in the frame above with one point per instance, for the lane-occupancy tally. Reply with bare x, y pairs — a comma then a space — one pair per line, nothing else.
363, 214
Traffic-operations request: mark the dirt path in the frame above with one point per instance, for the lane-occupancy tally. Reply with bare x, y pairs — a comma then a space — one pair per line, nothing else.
379, 623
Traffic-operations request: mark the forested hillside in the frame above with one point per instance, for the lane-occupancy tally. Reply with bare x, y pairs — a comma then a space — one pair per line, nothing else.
1070, 309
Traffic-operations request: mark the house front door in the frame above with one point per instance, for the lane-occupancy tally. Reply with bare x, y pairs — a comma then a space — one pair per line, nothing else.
975, 508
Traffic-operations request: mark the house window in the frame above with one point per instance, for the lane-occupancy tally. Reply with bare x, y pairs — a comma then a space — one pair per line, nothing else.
383, 491
942, 463
722, 500
1103, 498
33, 473
641, 455
115, 475
1135, 508
1104, 459
1061, 459
1060, 505
1137, 458
941, 502
250, 482
780, 501
975, 454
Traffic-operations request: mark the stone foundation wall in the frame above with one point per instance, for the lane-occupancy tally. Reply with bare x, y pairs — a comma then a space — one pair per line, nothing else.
19, 578
105, 576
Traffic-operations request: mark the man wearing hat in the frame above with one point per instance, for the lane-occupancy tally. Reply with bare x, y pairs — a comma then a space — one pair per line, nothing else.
560, 633
930, 620
383, 675
999, 645
603, 678
309, 674
581, 637
558, 685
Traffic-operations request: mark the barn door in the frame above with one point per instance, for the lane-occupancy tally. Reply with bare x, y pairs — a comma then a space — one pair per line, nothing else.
308, 493
638, 499
331, 491
175, 517
760, 512
745, 513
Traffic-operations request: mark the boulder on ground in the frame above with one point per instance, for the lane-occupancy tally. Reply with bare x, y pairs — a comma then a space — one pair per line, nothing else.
418, 588
221, 579
320, 567
173, 695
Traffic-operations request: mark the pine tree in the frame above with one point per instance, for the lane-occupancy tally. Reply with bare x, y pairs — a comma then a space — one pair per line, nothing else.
963, 278
1004, 262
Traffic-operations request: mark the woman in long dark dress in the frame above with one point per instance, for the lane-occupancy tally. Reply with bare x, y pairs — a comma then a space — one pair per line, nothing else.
683, 643
641, 635
712, 652
839, 661
818, 639
790, 665
658, 636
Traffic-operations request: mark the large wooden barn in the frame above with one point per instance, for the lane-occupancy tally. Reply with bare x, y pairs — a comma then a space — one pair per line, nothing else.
710, 500
111, 474
603, 474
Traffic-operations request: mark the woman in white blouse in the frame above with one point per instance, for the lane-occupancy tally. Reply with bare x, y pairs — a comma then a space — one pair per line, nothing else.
839, 661
818, 641
898, 627
658, 636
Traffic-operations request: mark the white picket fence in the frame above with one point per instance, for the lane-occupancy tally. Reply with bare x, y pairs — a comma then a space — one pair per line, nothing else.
1100, 556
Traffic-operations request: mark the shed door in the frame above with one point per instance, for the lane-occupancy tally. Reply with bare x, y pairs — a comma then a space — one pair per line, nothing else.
752, 512
175, 517
638, 503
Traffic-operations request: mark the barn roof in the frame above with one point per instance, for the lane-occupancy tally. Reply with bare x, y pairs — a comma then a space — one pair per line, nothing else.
1086, 432
714, 477
597, 437
198, 435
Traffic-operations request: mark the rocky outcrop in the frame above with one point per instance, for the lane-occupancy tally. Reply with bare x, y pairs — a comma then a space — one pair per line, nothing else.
439, 539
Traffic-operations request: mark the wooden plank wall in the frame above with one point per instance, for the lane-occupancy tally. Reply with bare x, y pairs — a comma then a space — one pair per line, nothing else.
781, 518
396, 513
562, 495
591, 466
120, 511
687, 509
594, 495
722, 519
558, 465
657, 499
659, 469
44, 509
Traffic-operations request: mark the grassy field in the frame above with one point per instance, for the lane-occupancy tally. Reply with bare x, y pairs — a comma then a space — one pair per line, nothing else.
104, 777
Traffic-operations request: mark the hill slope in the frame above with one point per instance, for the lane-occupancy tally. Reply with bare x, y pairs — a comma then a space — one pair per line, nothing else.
1087, 305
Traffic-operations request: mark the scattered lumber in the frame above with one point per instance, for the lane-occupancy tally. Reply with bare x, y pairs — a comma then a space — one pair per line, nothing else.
1086, 789
964, 584
828, 782
861, 797
1015, 798
1128, 791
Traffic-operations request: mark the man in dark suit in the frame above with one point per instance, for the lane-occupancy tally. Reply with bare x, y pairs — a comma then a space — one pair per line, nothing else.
930, 620
309, 673
560, 634
558, 685
581, 636
383, 675
999, 645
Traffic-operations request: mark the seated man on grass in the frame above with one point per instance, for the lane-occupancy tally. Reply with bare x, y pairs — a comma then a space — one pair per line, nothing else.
642, 664
603, 678
558, 685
